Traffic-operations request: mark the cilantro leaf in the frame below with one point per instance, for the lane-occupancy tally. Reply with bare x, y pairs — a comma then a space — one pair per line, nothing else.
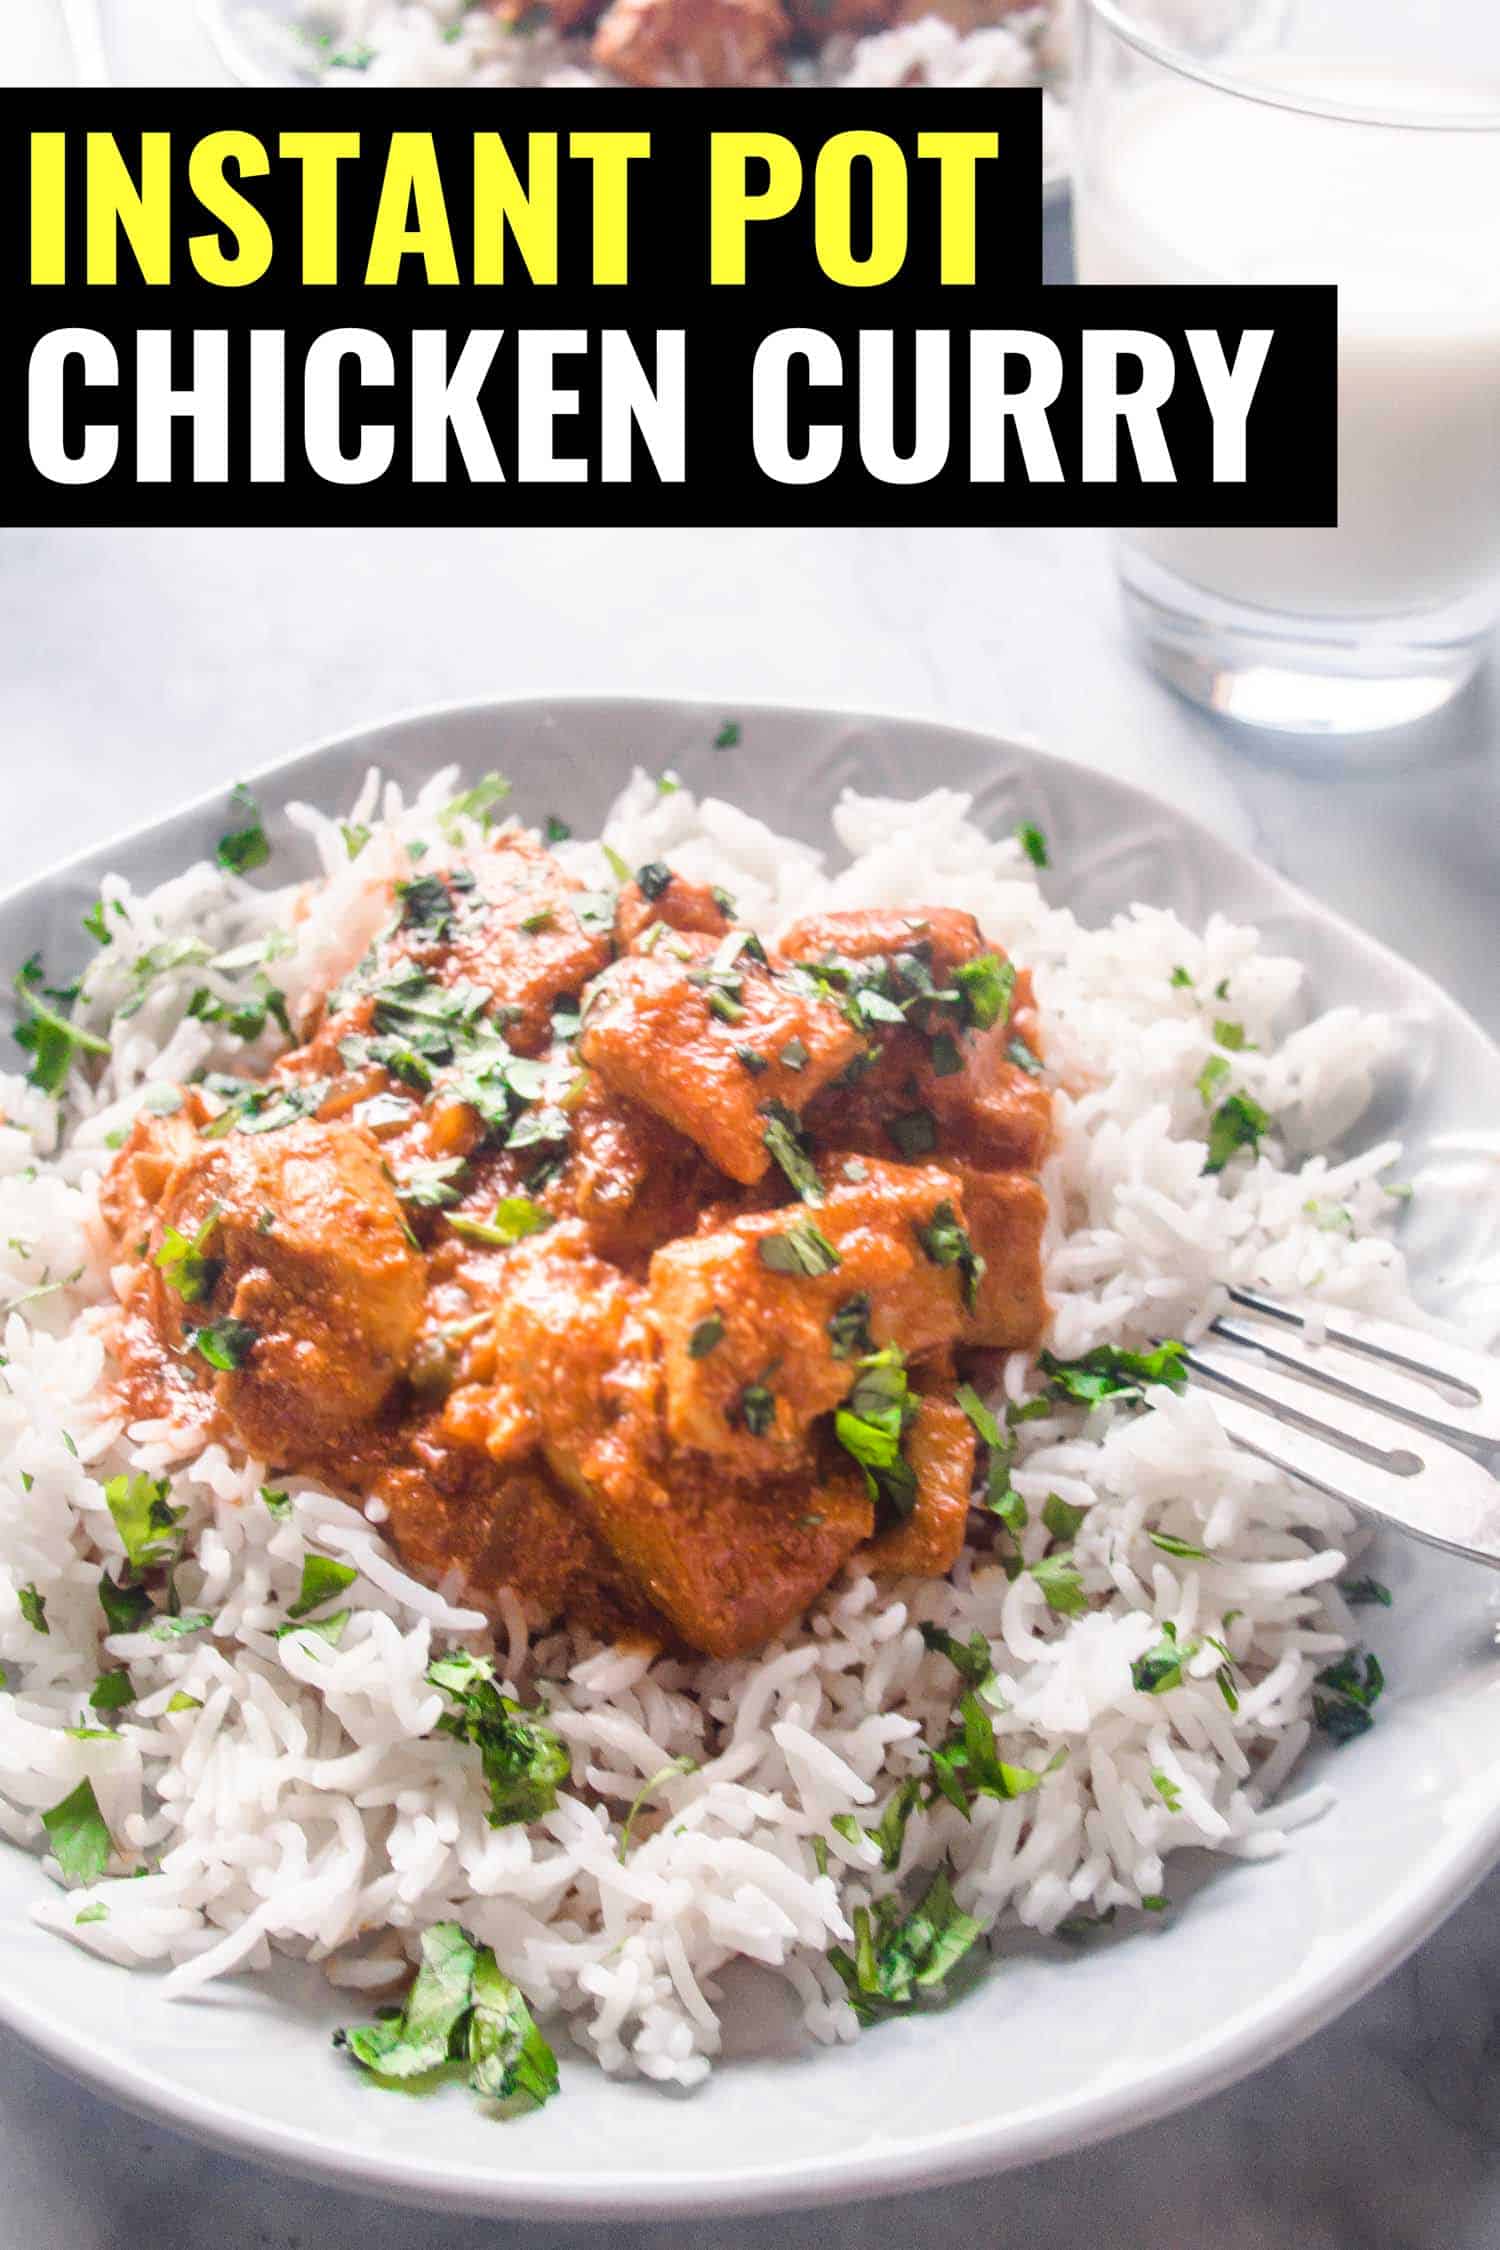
248, 847
1350, 1689
111, 1692
787, 1146
522, 1759
970, 1659
422, 2037
946, 1243
804, 1250
1237, 1123
225, 1344
1109, 1372
1060, 1518
1033, 843
706, 1336
181, 1263
149, 1526
322, 1578
1062, 1587
52, 1040
33, 1607
80, 1840
507, 2054
481, 803
872, 1423
897, 1959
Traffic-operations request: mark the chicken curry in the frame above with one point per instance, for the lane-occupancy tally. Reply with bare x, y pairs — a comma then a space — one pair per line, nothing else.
625, 1263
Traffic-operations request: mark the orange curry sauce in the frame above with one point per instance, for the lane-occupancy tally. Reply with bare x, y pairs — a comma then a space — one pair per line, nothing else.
574, 1222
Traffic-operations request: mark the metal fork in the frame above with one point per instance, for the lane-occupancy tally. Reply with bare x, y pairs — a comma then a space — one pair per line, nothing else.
1390, 1420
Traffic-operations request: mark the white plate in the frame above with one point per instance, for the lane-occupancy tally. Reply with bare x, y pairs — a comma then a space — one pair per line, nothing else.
1058, 2045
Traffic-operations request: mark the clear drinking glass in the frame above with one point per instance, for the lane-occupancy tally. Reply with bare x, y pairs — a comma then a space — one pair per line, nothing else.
1352, 141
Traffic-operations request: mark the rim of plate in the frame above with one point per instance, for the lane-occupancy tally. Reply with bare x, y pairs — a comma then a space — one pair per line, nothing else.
1268, 2031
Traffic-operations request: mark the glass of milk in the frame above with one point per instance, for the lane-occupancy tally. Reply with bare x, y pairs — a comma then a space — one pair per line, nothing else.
1352, 141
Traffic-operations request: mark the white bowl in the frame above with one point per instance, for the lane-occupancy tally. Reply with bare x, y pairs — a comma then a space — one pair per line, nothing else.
1058, 2045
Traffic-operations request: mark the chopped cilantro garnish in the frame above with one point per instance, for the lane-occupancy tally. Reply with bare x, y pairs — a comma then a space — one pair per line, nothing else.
149, 1526
1210, 1078
523, 1760
111, 1692
945, 1243
794, 1055
756, 1408
754, 1062
127, 1609
1180, 977
1160, 1668
706, 1336
944, 1055
1166, 1789
971, 1659
356, 835
182, 1701
225, 1344
330, 1629
849, 1328
1061, 1519
784, 1139
507, 2054
1024, 1057
98, 1912
322, 1578
481, 803
33, 1608
1237, 1123
914, 1132
979, 1414
985, 987
178, 1627
431, 1183
1345, 1695
653, 878
516, 1216
1108, 1372
247, 847
1171, 1546
80, 1840
555, 829
804, 1249
182, 1264
1229, 1035
728, 736
52, 1040
279, 1504
872, 1423
1359, 1591
1062, 1588
1033, 844
420, 2038
897, 1959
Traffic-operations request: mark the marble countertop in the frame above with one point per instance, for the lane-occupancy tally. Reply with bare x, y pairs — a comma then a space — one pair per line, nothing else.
140, 668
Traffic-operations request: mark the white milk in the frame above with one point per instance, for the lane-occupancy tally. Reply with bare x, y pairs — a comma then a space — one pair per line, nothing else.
1189, 185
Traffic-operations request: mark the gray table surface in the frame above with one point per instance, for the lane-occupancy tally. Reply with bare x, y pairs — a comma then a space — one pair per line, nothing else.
137, 669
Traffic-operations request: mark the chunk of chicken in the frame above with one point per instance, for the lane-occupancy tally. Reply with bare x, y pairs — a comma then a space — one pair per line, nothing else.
508, 922
482, 1532
728, 1566
926, 1544
944, 935
731, 1324
633, 1180
680, 904
709, 1050
301, 1241
692, 42
1005, 1213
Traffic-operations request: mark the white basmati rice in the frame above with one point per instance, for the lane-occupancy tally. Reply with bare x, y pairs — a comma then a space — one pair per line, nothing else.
304, 1804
